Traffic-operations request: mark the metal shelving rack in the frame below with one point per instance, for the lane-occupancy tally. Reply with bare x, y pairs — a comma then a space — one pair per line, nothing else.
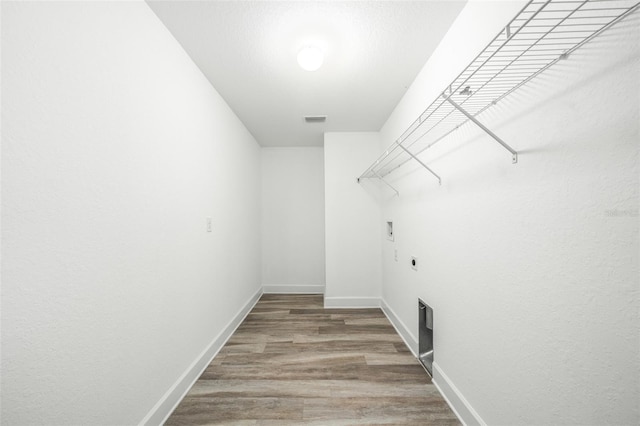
542, 33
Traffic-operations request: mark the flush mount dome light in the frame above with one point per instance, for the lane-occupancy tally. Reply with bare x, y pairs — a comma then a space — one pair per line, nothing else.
310, 58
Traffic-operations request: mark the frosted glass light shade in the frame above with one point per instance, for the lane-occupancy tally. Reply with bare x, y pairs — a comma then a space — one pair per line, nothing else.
310, 58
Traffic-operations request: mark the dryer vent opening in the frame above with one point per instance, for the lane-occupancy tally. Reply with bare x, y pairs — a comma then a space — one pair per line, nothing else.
425, 336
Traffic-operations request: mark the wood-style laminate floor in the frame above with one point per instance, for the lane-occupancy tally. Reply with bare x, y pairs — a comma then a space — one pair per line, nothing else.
293, 362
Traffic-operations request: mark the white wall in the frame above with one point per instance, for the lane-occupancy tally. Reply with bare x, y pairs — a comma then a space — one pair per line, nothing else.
115, 149
352, 220
293, 219
532, 269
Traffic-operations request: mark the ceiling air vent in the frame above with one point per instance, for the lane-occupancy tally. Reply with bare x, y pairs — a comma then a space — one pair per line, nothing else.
315, 118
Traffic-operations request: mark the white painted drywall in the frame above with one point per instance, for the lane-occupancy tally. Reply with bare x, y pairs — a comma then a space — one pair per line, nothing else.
115, 149
531, 269
292, 219
352, 220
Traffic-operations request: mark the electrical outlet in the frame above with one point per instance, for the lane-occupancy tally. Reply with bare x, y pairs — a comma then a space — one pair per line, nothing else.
209, 224
414, 263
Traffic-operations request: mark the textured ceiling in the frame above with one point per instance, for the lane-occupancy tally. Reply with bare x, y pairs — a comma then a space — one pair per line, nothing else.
247, 49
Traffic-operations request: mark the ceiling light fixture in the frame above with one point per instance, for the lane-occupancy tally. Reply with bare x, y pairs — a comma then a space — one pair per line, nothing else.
310, 58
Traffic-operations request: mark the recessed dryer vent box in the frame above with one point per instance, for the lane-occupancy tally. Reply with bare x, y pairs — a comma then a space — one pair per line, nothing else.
425, 336
390, 231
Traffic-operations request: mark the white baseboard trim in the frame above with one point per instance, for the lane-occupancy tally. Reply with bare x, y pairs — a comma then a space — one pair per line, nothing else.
351, 302
460, 406
293, 289
409, 339
165, 406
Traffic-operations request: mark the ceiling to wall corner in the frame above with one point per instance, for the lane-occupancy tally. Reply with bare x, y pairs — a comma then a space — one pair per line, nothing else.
247, 49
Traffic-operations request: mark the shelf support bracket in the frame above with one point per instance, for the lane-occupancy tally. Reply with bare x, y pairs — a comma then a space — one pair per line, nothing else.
421, 163
386, 183
514, 153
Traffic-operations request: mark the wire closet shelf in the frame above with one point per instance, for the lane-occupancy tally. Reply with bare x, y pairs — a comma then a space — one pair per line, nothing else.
542, 33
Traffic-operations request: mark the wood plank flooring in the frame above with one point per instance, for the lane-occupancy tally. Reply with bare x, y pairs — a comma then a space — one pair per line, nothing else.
293, 362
